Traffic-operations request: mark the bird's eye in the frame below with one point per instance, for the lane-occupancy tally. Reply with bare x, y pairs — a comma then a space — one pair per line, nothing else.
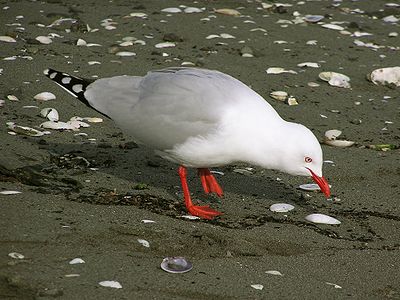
307, 159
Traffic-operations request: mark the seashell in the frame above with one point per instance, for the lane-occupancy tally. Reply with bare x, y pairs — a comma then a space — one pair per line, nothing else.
139, 42
309, 65
360, 34
144, 243
16, 255
190, 10
138, 15
335, 79
50, 113
93, 62
332, 134
313, 84
76, 261
390, 19
257, 286
333, 26
309, 187
226, 36
172, 10
227, 11
57, 125
281, 207
176, 265
273, 272
386, 76
44, 96
10, 192
312, 42
322, 219
165, 45
393, 34
7, 39
148, 221
190, 217
111, 284
125, 53
24, 130
12, 98
279, 95
212, 36
92, 119
81, 42
2, 102
292, 101
78, 124
313, 18
126, 44
44, 39
278, 70
336, 286
339, 143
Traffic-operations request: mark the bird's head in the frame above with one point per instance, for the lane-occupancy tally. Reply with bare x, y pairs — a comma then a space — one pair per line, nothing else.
302, 155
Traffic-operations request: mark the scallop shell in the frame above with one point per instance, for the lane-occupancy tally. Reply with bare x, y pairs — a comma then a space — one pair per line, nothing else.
335, 79
44, 96
332, 134
281, 207
176, 265
322, 219
386, 76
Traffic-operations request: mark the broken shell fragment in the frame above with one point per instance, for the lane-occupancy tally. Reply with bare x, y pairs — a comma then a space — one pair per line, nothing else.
278, 70
144, 243
322, 219
309, 65
330, 139
176, 265
227, 11
57, 125
76, 261
335, 79
16, 255
257, 286
50, 113
10, 192
279, 95
332, 134
111, 284
281, 207
24, 130
386, 76
332, 26
45, 40
44, 96
292, 101
12, 98
7, 39
309, 187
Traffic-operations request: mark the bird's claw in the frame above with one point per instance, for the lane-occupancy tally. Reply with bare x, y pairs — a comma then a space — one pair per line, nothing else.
205, 211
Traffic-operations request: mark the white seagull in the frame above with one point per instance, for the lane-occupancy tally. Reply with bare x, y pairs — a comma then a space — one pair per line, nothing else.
201, 118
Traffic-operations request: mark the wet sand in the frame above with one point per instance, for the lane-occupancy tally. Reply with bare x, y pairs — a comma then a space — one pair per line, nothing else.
84, 198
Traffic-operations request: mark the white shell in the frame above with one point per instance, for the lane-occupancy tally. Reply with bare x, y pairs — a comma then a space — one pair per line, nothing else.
322, 219
332, 134
335, 79
144, 243
227, 11
212, 36
44, 96
12, 98
190, 217
93, 119
138, 15
278, 70
125, 53
148, 221
10, 192
279, 95
391, 19
76, 261
309, 187
333, 26
386, 76
257, 286
226, 36
339, 143
16, 255
190, 10
172, 10
273, 272
44, 39
313, 18
309, 65
111, 284
24, 130
78, 124
81, 42
7, 39
50, 113
57, 125
281, 207
176, 265
165, 45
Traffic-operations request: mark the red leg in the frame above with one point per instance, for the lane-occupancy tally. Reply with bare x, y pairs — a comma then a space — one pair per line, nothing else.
201, 211
210, 184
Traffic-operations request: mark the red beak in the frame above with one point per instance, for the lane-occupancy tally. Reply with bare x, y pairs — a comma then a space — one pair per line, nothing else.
322, 183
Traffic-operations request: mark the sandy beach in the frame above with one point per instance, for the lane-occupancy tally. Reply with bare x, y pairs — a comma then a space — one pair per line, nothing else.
85, 193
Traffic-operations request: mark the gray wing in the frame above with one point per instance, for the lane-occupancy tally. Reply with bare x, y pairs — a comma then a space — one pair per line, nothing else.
166, 107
